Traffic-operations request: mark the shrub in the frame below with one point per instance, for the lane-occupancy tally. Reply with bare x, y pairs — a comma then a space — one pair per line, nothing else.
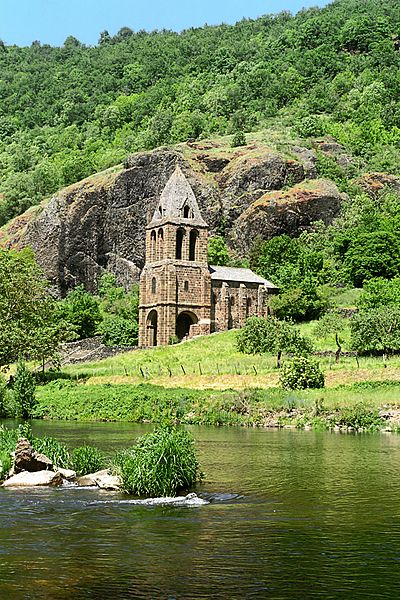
87, 459
301, 373
160, 464
239, 139
24, 391
360, 416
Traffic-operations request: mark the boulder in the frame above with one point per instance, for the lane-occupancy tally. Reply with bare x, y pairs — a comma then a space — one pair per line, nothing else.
27, 459
102, 479
67, 474
38, 478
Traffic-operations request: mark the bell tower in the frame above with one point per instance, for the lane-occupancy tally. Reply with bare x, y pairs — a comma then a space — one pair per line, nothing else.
175, 284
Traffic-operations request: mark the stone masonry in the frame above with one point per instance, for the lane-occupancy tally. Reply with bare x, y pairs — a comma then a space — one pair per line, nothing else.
180, 294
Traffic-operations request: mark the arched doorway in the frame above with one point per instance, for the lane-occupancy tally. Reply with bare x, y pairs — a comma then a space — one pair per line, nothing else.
152, 319
183, 323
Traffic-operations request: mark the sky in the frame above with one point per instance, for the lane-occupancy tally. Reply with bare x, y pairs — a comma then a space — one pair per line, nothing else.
52, 21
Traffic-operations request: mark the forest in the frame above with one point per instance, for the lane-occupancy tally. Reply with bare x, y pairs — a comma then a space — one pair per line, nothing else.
67, 112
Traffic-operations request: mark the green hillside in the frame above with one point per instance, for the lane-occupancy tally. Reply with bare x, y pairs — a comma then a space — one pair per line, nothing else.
68, 112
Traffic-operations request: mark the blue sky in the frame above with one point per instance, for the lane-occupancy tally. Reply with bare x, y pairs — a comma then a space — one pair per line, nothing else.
51, 21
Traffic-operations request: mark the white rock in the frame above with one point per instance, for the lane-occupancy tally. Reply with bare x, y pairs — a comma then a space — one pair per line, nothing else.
108, 482
67, 474
90, 478
38, 478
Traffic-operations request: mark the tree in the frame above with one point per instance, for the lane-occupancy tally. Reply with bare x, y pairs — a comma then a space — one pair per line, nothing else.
373, 254
29, 327
380, 292
120, 313
376, 330
261, 335
217, 251
81, 311
332, 323
24, 391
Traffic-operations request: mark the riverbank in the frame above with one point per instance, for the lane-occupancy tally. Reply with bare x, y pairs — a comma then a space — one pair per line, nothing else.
368, 406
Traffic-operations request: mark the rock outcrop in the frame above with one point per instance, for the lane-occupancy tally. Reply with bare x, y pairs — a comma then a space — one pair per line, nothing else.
27, 459
290, 212
99, 224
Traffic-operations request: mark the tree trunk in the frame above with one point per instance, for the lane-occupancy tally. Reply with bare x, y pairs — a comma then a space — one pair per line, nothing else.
339, 349
278, 360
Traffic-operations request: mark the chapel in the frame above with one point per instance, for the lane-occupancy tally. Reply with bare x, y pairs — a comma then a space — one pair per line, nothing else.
181, 295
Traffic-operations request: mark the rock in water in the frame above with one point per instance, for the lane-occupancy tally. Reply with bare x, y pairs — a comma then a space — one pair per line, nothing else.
39, 478
101, 479
27, 459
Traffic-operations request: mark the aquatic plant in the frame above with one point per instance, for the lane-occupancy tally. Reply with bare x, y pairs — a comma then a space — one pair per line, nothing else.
160, 464
87, 459
57, 452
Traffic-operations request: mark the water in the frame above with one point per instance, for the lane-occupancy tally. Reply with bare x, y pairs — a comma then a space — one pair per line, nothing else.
290, 515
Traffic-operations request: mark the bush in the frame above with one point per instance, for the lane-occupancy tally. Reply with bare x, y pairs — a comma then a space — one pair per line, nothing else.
118, 331
160, 464
301, 373
87, 459
24, 391
239, 139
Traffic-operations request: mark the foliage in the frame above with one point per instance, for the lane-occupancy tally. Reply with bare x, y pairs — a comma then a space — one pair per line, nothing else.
217, 251
87, 459
269, 334
24, 387
373, 254
5, 464
299, 303
29, 326
81, 310
301, 373
380, 292
331, 323
72, 110
239, 139
160, 464
360, 416
57, 452
120, 313
376, 330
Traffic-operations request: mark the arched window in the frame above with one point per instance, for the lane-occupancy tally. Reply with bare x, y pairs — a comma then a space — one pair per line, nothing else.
160, 244
153, 285
192, 244
153, 245
180, 234
186, 212
186, 286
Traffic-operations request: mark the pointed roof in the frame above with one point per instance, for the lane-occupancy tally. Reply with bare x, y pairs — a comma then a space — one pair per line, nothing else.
176, 196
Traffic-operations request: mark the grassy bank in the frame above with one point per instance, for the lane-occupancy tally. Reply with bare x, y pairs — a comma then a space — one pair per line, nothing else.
357, 406
207, 381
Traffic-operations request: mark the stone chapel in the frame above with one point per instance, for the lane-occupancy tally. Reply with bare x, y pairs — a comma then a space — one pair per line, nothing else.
180, 294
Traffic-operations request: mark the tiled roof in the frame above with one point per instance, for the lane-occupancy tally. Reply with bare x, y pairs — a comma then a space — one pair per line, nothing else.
238, 275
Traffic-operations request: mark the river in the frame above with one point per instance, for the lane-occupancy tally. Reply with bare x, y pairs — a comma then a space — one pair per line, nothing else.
291, 514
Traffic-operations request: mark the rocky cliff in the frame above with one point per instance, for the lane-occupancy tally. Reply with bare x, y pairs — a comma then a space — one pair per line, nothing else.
99, 224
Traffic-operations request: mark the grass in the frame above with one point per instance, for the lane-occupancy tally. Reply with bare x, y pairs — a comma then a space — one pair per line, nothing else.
207, 381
